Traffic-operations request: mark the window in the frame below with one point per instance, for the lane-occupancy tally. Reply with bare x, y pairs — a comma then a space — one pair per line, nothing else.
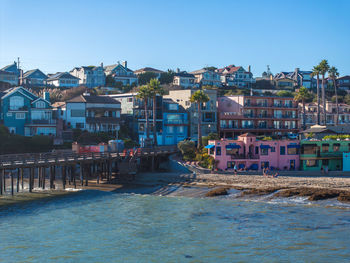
308, 149
336, 147
293, 151
230, 164
311, 163
141, 127
264, 151
20, 116
282, 150
40, 104
325, 148
173, 106
79, 125
256, 150
129, 99
77, 113
273, 149
218, 150
16, 102
187, 103
180, 129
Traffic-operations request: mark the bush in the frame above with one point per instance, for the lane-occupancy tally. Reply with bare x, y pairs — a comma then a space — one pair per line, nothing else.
128, 143
211, 136
267, 138
188, 150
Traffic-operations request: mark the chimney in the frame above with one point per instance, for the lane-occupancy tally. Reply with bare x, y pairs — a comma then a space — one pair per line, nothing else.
249, 68
177, 70
125, 64
101, 64
46, 96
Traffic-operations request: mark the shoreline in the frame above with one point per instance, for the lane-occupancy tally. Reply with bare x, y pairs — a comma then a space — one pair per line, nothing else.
200, 184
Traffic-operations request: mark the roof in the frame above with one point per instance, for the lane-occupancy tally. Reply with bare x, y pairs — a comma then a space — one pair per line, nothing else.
148, 69
344, 77
94, 99
7, 72
200, 71
338, 129
111, 67
184, 74
248, 134
9, 66
58, 104
30, 72
230, 69
60, 75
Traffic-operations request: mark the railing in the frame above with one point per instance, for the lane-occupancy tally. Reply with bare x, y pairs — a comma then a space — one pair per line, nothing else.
24, 108
43, 121
175, 121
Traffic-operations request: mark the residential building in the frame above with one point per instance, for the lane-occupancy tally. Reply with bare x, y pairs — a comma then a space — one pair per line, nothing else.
319, 131
157, 72
13, 68
92, 113
184, 80
317, 154
34, 77
209, 111
121, 73
344, 83
175, 123
297, 78
236, 76
8, 77
133, 114
261, 115
90, 76
26, 114
331, 113
206, 77
249, 153
62, 79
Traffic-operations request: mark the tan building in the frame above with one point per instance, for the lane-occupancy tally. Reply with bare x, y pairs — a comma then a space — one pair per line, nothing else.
331, 112
209, 111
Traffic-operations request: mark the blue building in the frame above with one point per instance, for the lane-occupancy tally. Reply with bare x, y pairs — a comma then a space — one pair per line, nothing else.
24, 113
34, 77
175, 123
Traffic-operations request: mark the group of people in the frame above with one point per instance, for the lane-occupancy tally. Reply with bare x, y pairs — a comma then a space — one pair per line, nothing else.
266, 173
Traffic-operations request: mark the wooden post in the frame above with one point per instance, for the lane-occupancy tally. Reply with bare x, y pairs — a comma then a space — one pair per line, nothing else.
39, 177
97, 173
81, 174
63, 175
74, 182
31, 172
51, 177
12, 186
43, 177
22, 179
87, 174
4, 180
17, 182
1, 181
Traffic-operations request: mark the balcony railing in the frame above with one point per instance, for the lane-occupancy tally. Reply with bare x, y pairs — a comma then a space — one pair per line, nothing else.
175, 121
24, 108
43, 121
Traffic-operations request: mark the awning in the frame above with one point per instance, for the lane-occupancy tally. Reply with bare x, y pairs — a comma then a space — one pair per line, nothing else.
233, 146
265, 146
209, 146
293, 146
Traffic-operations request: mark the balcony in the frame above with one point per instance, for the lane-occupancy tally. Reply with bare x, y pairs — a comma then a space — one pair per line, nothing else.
113, 120
23, 108
42, 122
176, 122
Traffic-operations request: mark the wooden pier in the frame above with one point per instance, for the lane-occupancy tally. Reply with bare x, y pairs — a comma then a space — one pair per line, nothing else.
44, 169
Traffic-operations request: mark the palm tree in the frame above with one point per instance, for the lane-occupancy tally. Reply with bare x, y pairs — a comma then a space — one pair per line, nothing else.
144, 93
156, 89
302, 95
199, 97
324, 67
333, 74
316, 72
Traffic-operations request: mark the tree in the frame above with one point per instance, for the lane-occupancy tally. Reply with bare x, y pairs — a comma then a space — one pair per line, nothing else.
144, 94
146, 77
156, 89
284, 93
324, 67
188, 150
302, 95
316, 72
211, 136
333, 74
167, 77
211, 68
199, 97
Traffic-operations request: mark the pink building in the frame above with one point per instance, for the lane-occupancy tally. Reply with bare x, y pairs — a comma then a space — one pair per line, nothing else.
249, 153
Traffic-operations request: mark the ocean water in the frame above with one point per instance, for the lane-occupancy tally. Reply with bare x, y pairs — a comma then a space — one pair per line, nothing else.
93, 226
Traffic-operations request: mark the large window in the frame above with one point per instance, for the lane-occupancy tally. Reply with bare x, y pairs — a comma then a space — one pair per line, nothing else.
77, 113
292, 151
218, 150
264, 151
336, 147
325, 148
282, 150
16, 102
308, 149
40, 104
20, 116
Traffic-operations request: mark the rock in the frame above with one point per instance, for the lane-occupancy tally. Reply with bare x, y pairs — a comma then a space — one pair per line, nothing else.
324, 194
217, 192
259, 191
344, 197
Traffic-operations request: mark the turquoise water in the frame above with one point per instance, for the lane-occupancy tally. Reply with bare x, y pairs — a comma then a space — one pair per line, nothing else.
93, 226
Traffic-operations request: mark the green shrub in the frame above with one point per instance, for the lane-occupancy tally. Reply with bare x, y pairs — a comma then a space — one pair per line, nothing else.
188, 150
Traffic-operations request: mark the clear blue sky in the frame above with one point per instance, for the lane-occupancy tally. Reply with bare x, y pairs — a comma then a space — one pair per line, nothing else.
59, 35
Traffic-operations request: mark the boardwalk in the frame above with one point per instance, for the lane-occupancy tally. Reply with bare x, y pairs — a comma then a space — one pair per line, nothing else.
67, 165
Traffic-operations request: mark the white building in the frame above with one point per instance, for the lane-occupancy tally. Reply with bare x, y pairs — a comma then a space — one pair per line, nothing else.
236, 76
184, 79
62, 79
207, 77
90, 76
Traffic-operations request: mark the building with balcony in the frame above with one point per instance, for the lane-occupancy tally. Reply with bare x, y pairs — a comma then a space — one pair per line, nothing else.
91, 113
206, 77
208, 115
297, 78
90, 76
8, 77
236, 76
34, 77
249, 153
121, 73
331, 113
62, 79
184, 80
24, 113
267, 116
344, 83
315, 155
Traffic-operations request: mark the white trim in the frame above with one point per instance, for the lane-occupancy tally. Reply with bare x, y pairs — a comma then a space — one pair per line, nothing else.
40, 98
